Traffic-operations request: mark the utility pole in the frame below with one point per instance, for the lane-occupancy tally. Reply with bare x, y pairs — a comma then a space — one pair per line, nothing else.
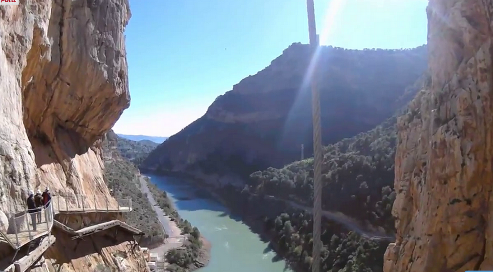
302, 152
317, 141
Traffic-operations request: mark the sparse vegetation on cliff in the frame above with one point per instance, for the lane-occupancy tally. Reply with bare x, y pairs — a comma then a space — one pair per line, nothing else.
123, 177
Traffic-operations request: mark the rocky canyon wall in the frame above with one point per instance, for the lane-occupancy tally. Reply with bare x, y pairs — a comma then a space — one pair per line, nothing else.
443, 164
63, 84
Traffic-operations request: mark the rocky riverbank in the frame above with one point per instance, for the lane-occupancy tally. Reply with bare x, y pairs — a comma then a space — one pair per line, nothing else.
182, 237
204, 255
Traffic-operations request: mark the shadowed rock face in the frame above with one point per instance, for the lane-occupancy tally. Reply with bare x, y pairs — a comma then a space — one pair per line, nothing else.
63, 84
443, 176
264, 120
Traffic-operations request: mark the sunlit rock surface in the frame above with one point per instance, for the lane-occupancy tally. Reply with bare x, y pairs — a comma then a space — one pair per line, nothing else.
63, 84
444, 156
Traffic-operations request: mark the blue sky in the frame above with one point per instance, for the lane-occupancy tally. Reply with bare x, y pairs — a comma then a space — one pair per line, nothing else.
183, 54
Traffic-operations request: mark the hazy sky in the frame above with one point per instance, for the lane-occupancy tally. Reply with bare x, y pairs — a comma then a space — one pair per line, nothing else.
183, 54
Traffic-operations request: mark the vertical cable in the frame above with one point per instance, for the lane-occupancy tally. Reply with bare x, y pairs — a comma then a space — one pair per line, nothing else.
317, 143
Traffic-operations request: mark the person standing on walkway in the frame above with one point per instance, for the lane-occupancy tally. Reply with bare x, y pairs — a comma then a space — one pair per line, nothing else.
47, 202
31, 209
38, 200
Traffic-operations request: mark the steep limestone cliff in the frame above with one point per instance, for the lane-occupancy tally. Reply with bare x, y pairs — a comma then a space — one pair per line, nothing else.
262, 121
443, 175
63, 84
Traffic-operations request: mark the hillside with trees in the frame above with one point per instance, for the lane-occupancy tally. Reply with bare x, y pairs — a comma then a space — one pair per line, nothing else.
135, 151
357, 173
358, 177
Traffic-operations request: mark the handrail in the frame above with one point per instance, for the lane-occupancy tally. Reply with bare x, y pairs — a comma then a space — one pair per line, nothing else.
4, 237
96, 228
28, 225
85, 203
24, 263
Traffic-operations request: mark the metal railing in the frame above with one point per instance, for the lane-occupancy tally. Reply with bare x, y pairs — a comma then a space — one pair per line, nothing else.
29, 224
90, 203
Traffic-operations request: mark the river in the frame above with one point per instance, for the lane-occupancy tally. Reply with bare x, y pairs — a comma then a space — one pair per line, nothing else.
234, 246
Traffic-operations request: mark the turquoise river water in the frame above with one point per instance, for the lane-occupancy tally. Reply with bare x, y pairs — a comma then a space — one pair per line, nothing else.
234, 246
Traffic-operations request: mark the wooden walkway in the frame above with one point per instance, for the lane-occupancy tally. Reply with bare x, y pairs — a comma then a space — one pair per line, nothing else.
25, 231
86, 204
23, 260
27, 261
97, 228
75, 210
22, 232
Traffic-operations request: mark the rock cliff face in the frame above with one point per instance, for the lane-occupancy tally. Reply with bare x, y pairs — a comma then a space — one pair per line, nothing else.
444, 155
264, 120
63, 84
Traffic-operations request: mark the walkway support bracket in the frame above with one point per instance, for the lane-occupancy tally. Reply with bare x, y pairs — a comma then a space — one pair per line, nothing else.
77, 243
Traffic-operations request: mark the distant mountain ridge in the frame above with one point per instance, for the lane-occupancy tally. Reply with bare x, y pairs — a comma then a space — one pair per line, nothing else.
156, 139
133, 151
265, 118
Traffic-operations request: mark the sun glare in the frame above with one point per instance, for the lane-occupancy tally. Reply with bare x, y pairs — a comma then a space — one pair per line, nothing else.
333, 11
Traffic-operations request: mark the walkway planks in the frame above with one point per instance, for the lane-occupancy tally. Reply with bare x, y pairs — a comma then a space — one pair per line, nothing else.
27, 261
93, 203
26, 234
93, 210
97, 228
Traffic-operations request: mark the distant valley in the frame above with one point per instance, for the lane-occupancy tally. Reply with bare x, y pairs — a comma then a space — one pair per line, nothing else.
156, 139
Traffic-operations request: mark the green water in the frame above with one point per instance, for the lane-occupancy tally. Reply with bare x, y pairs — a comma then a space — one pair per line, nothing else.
234, 247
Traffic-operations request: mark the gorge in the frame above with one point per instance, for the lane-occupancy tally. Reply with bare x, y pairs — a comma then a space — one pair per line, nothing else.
439, 172
407, 137
358, 171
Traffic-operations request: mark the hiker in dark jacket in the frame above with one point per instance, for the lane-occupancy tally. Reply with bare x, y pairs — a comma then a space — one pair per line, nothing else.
31, 209
47, 202
38, 200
